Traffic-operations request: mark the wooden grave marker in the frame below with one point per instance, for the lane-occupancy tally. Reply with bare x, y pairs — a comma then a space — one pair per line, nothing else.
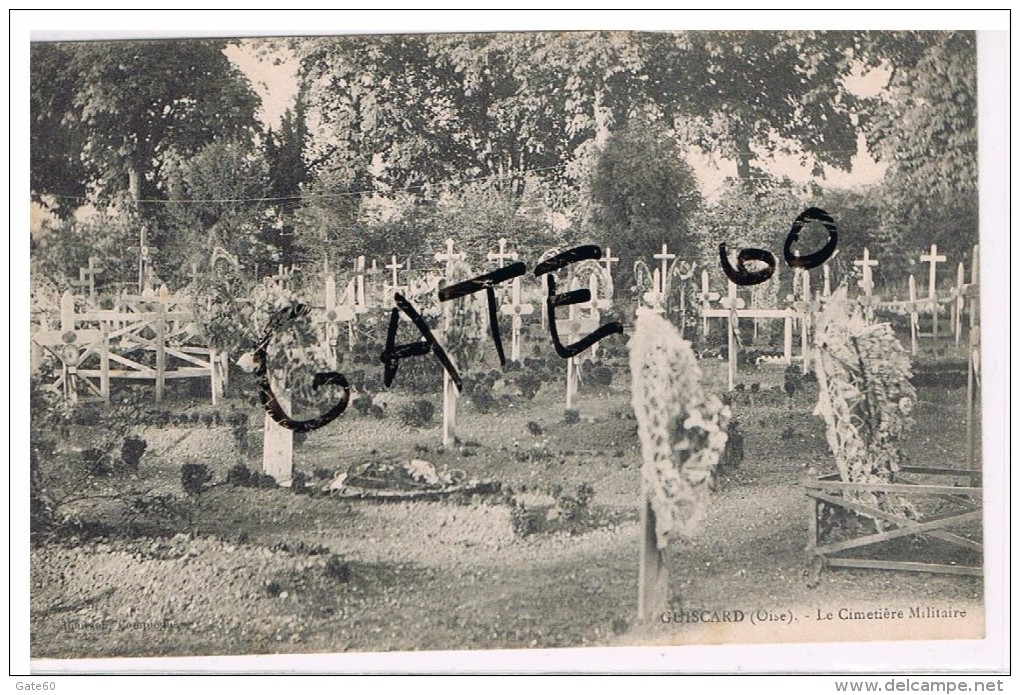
866, 263
450, 393
933, 259
665, 257
516, 309
574, 328
706, 299
394, 285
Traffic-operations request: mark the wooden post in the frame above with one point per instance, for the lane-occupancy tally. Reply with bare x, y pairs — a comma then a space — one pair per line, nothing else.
449, 387
653, 570
104, 368
449, 410
359, 269
933, 259
214, 375
734, 304
826, 286
571, 382
812, 509
143, 254
278, 444
912, 288
160, 350
788, 340
958, 305
973, 372
804, 320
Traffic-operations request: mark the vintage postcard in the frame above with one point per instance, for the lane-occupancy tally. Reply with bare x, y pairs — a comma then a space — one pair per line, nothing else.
423, 346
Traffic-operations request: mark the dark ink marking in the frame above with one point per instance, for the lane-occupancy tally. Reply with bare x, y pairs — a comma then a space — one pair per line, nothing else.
741, 275
817, 258
565, 258
486, 282
268, 398
507, 272
392, 354
553, 300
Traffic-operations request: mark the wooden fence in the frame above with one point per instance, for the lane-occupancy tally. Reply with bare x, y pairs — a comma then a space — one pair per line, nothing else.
145, 338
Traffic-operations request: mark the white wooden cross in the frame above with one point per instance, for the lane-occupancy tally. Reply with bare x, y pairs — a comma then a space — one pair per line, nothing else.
608, 258
449, 257
866, 264
516, 309
665, 257
733, 304
706, 298
89, 275
500, 256
933, 259
449, 387
394, 286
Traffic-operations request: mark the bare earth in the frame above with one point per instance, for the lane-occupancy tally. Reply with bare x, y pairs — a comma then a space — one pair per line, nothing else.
260, 571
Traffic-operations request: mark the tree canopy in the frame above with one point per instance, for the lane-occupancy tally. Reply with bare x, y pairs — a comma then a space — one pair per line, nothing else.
505, 132
114, 111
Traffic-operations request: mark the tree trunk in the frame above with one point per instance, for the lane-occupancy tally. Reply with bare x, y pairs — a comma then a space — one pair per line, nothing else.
744, 159
134, 184
602, 118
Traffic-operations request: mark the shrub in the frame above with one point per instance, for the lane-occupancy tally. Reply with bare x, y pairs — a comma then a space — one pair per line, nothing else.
240, 476
131, 452
336, 568
417, 413
194, 476
481, 396
529, 383
601, 375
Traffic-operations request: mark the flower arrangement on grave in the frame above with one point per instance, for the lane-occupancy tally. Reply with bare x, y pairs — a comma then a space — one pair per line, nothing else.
865, 398
682, 429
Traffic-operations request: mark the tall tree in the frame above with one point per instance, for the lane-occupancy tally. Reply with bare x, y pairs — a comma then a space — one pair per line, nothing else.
423, 110
644, 194
747, 95
925, 127
217, 197
130, 104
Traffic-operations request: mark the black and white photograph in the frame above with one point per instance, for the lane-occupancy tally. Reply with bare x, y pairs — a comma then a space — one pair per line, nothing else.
460, 341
